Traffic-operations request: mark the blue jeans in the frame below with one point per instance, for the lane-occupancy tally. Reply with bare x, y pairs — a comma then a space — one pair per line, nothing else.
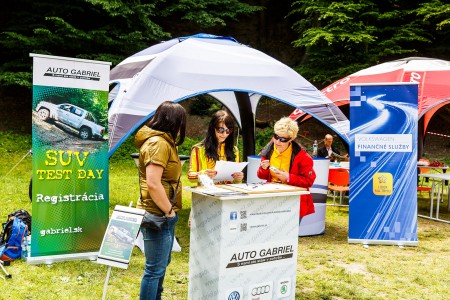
157, 249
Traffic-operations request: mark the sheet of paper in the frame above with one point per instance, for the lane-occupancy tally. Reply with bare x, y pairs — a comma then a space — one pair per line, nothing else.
226, 168
266, 187
215, 191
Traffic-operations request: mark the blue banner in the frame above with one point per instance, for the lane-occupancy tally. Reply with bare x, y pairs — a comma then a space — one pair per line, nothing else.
383, 164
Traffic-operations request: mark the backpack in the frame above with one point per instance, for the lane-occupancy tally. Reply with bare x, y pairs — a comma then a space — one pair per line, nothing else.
14, 232
24, 216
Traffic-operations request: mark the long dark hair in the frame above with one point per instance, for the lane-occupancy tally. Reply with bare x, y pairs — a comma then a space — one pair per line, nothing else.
170, 117
211, 143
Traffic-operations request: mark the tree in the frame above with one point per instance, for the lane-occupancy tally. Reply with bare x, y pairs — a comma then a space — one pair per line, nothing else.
97, 29
343, 37
437, 15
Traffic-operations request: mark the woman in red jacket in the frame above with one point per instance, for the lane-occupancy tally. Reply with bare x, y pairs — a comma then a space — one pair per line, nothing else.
293, 165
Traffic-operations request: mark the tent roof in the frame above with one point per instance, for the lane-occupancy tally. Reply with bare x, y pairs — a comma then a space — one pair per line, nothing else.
189, 66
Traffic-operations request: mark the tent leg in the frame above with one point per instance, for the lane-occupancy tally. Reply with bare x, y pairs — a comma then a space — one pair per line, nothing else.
248, 124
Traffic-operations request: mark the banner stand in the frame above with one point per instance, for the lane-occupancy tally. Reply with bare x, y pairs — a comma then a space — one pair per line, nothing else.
105, 286
70, 186
119, 239
383, 164
50, 259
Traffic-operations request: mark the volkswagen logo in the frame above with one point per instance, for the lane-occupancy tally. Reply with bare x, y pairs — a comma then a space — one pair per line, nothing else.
234, 296
260, 290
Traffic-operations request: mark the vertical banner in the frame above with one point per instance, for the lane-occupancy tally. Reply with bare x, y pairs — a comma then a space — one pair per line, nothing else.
383, 164
70, 191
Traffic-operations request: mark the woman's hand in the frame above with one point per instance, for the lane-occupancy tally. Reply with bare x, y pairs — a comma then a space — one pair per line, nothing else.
265, 164
282, 175
211, 173
238, 176
171, 213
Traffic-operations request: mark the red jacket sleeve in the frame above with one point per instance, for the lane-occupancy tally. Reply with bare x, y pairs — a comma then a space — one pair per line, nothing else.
302, 173
263, 174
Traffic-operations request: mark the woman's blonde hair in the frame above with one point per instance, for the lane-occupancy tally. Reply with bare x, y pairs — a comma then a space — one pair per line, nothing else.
286, 126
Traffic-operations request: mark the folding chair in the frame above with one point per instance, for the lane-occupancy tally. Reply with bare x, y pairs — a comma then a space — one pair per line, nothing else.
338, 181
422, 184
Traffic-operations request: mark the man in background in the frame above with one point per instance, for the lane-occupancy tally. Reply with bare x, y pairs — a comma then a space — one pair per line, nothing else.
327, 149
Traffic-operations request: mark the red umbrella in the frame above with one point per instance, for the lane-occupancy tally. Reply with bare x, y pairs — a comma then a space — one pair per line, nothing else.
432, 75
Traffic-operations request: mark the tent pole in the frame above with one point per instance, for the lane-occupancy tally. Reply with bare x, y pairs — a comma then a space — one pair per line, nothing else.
420, 137
247, 122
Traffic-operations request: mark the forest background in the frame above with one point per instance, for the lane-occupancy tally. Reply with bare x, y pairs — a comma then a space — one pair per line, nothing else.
323, 40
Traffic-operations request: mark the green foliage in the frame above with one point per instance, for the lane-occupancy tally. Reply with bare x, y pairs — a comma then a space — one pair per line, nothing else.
343, 37
125, 150
209, 13
203, 105
16, 78
437, 13
13, 142
186, 147
262, 138
98, 29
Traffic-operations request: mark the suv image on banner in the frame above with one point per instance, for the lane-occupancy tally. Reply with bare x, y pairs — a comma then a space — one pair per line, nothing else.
73, 116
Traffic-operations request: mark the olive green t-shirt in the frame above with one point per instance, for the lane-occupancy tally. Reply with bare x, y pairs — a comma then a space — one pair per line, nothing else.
159, 149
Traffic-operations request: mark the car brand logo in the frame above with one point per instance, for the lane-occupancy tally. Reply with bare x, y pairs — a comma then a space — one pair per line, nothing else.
283, 289
234, 296
260, 290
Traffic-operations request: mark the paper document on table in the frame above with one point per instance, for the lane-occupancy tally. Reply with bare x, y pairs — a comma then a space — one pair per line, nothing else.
266, 187
226, 168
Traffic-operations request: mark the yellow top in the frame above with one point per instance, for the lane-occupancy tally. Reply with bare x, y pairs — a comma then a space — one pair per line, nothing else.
281, 161
198, 161
211, 164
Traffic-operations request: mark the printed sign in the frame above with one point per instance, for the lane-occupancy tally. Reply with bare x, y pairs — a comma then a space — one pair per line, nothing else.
120, 236
70, 158
383, 168
244, 247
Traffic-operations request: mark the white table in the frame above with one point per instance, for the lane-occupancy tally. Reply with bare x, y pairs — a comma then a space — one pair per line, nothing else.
438, 188
243, 246
444, 168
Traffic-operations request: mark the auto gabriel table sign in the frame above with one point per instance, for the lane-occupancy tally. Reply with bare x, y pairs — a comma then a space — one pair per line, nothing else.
70, 158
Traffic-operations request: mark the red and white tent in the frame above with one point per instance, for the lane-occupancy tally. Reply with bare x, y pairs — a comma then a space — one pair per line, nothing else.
432, 75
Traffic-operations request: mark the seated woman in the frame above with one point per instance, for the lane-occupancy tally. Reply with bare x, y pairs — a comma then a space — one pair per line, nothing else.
293, 164
217, 145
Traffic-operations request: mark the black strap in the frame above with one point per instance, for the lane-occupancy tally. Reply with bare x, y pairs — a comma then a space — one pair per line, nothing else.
175, 192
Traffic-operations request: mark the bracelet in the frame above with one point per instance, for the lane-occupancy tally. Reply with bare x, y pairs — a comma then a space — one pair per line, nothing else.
170, 211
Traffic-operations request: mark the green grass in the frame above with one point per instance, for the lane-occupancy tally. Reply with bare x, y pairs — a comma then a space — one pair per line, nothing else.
328, 267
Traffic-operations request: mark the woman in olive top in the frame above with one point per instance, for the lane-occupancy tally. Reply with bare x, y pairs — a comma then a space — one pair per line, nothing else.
159, 174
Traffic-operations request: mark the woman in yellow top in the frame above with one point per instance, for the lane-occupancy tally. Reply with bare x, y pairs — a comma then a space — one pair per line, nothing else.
217, 145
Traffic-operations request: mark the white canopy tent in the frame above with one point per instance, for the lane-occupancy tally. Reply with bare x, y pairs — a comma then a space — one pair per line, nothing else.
235, 74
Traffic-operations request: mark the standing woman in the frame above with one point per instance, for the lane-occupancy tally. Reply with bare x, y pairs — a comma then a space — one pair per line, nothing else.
293, 164
217, 145
159, 176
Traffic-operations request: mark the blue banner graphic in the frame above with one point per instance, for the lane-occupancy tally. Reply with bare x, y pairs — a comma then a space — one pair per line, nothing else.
383, 164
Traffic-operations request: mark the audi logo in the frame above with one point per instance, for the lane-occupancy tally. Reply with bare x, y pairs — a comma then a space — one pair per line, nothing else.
261, 290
